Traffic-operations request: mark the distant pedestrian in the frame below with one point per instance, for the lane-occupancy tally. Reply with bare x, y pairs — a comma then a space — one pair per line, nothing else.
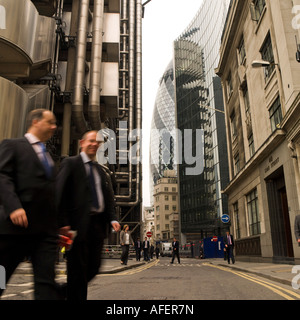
297, 229
175, 246
229, 245
138, 248
28, 224
151, 251
146, 245
157, 252
126, 241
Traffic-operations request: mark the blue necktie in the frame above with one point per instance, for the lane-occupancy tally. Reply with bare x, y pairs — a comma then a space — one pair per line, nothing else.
44, 159
93, 186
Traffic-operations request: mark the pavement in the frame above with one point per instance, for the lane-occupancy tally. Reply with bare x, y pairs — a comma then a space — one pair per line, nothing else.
282, 273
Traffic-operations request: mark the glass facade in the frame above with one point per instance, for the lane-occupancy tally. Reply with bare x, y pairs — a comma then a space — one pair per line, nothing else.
198, 94
163, 138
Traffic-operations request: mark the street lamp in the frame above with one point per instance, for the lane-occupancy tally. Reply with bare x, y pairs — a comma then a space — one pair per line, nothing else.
262, 63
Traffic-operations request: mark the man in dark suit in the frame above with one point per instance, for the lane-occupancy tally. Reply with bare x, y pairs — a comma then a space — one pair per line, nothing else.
175, 246
86, 204
28, 221
146, 245
297, 229
229, 245
138, 249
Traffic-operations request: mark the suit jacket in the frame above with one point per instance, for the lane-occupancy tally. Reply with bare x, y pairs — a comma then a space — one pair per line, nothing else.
24, 184
175, 246
74, 199
148, 245
122, 237
226, 240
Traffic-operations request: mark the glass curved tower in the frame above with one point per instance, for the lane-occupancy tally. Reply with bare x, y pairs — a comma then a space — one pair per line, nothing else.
162, 140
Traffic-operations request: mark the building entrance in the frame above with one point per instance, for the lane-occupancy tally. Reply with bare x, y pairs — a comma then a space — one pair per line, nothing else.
279, 217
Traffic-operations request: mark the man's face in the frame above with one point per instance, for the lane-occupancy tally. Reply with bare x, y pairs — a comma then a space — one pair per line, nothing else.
90, 145
45, 127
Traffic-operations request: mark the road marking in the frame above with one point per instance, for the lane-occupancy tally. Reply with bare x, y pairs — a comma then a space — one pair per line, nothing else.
8, 296
273, 287
27, 291
131, 271
20, 284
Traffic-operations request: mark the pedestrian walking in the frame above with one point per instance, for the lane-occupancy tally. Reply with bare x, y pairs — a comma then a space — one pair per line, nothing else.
125, 240
229, 245
297, 229
175, 246
157, 251
146, 245
138, 248
86, 205
28, 224
151, 251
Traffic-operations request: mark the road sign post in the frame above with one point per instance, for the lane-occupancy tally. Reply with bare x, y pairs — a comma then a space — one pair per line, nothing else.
149, 234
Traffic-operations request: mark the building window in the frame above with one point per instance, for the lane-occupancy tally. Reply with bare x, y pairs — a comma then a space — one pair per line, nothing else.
166, 207
229, 86
166, 198
253, 213
237, 164
174, 189
166, 189
246, 101
236, 220
251, 145
242, 51
257, 9
157, 208
173, 198
268, 55
233, 126
275, 115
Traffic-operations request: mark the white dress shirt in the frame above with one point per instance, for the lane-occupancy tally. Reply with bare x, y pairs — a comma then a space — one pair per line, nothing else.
33, 140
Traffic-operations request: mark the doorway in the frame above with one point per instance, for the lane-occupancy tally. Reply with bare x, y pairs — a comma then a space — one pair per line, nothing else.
279, 217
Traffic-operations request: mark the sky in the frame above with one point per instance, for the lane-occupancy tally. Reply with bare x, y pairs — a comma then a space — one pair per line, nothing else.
163, 22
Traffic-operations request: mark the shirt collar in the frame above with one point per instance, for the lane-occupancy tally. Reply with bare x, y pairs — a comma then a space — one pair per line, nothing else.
85, 157
31, 138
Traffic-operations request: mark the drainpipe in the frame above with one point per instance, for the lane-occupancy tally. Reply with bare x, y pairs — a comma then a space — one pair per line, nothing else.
95, 72
78, 92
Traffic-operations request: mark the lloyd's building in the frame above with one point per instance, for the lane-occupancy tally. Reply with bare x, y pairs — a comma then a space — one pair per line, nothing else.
82, 60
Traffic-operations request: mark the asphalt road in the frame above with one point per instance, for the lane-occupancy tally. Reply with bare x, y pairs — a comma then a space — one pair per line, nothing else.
190, 280
161, 281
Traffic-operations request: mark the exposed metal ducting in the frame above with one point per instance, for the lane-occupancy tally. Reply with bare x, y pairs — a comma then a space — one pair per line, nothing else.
135, 98
78, 93
95, 72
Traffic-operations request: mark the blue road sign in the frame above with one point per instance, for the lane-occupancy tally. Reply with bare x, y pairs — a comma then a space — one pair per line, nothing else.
225, 218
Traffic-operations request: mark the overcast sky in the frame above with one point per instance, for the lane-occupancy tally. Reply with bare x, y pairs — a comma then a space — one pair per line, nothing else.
163, 22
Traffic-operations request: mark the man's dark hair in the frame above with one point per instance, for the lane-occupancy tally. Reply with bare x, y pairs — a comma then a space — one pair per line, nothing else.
34, 114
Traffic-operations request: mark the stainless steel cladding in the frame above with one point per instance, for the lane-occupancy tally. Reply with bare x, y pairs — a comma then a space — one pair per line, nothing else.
13, 106
27, 39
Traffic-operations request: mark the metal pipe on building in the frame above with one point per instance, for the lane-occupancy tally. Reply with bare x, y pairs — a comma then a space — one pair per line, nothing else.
78, 93
67, 113
135, 33
96, 59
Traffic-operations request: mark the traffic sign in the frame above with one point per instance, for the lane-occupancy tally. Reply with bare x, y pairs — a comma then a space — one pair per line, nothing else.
149, 234
215, 238
225, 218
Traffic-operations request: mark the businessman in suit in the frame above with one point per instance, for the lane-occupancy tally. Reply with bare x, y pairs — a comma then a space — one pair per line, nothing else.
146, 245
85, 204
28, 221
229, 245
175, 246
